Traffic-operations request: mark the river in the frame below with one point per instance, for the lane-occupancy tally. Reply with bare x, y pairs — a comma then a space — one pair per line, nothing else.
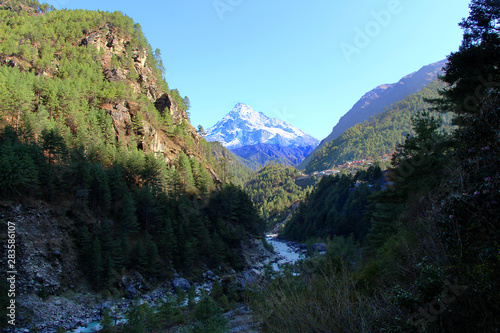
288, 252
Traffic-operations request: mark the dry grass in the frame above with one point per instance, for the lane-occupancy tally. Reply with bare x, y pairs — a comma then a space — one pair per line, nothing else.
327, 302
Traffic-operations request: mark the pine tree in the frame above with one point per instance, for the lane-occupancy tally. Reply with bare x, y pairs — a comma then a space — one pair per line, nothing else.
96, 263
208, 316
186, 172
127, 215
54, 146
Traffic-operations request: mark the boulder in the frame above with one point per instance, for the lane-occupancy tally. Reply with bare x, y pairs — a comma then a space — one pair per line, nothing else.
319, 247
250, 276
131, 291
181, 283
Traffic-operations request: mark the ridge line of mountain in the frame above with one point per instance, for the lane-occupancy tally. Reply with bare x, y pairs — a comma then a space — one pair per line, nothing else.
377, 100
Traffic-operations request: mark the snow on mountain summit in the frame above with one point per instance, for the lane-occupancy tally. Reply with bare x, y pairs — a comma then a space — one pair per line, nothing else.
244, 126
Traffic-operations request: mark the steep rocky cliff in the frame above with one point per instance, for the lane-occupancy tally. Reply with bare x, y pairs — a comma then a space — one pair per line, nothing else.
123, 111
143, 111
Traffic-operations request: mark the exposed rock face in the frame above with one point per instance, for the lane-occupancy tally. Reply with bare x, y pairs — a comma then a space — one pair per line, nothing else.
255, 254
123, 112
107, 40
41, 236
142, 79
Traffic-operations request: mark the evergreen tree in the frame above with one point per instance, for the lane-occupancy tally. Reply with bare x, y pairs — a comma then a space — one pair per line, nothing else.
186, 172
474, 71
97, 264
54, 146
127, 215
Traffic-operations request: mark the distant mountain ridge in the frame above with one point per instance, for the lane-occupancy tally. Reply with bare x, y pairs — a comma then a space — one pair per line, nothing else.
263, 154
380, 134
376, 100
261, 139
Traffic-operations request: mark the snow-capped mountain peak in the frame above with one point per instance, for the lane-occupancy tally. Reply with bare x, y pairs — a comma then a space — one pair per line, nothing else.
244, 126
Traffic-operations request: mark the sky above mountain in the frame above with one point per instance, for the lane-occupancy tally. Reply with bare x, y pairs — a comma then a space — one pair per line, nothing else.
306, 63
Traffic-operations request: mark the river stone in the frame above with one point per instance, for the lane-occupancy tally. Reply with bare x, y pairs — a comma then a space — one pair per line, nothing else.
181, 283
131, 291
319, 247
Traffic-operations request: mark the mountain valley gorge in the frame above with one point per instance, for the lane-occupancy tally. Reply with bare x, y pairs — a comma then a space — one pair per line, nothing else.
117, 215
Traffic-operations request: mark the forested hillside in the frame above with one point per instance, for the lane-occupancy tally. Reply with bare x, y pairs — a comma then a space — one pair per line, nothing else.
336, 207
229, 167
379, 135
274, 191
92, 137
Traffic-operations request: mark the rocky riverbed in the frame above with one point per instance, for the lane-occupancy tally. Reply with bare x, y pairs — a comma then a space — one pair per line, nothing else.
81, 310
287, 252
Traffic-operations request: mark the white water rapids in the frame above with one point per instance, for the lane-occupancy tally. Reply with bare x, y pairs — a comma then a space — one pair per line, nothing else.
286, 253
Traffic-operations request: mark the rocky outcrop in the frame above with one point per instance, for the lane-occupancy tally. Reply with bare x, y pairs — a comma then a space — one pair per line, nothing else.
255, 254
181, 283
319, 247
42, 235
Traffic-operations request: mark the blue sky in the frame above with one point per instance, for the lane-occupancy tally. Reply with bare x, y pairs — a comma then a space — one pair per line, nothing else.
305, 62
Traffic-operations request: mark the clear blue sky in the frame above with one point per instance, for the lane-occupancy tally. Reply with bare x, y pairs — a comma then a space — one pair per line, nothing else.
305, 62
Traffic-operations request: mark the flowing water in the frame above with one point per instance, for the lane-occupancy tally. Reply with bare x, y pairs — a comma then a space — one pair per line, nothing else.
284, 250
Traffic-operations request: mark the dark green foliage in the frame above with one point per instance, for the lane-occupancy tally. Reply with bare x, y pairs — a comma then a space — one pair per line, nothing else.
59, 76
469, 216
191, 297
186, 172
136, 224
170, 314
127, 214
336, 207
126, 208
232, 207
274, 191
417, 169
208, 316
226, 164
19, 172
141, 319
473, 72
107, 322
377, 136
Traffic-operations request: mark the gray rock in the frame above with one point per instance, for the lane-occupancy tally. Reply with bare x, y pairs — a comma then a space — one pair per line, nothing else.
319, 247
251, 275
131, 291
181, 283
